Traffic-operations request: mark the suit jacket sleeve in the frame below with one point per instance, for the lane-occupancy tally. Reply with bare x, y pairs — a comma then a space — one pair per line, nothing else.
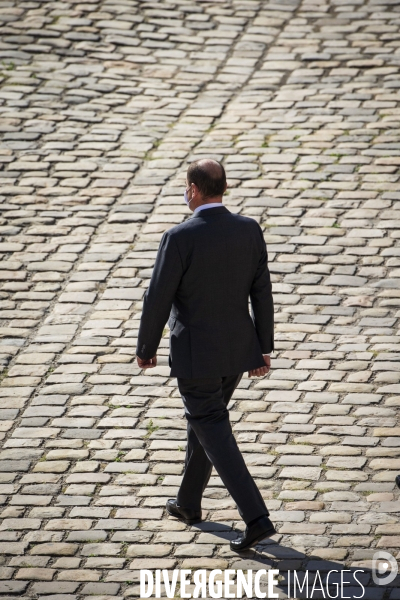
159, 297
262, 302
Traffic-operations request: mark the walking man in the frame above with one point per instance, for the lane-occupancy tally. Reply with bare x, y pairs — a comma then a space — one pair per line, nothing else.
206, 270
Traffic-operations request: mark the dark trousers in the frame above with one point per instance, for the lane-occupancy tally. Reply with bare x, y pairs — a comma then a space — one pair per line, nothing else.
211, 442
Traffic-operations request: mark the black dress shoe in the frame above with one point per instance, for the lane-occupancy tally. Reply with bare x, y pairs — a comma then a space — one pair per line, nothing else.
187, 515
254, 534
398, 481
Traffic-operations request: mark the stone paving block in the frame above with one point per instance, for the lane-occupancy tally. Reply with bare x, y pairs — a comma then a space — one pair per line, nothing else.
97, 589
56, 549
58, 597
56, 588
35, 573
14, 587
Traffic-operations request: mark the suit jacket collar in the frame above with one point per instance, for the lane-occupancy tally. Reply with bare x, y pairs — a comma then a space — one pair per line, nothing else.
209, 212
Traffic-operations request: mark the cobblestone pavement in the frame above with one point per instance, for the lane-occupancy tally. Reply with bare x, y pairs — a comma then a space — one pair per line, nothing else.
102, 105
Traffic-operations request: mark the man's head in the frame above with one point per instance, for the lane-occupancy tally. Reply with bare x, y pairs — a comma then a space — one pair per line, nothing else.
205, 182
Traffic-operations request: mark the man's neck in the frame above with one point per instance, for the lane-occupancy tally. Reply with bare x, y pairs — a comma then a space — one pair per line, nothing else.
207, 205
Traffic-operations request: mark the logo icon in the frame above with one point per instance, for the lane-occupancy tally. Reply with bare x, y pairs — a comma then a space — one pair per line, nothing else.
383, 562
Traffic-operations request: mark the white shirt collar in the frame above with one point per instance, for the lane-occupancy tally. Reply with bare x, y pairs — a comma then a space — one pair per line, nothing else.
205, 206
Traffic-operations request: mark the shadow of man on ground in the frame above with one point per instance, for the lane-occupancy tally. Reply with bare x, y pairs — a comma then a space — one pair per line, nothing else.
306, 574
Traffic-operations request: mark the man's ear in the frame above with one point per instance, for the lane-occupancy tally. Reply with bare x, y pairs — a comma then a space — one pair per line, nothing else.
226, 187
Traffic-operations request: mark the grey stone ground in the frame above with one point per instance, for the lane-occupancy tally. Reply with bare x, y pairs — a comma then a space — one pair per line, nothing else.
102, 105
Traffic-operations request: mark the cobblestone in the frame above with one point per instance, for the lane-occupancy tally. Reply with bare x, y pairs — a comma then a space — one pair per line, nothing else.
102, 107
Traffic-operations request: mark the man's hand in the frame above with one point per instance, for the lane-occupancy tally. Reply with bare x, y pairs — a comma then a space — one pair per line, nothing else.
262, 370
147, 364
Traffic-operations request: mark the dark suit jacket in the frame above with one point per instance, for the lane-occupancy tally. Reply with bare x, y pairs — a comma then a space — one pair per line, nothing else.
206, 270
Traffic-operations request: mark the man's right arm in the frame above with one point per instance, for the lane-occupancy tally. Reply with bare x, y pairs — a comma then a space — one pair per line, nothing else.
262, 302
158, 299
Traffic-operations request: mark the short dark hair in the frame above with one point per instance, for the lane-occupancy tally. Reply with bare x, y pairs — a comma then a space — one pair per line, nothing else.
209, 176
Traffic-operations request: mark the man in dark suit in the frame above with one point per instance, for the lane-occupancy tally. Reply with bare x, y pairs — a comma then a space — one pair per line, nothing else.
206, 270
